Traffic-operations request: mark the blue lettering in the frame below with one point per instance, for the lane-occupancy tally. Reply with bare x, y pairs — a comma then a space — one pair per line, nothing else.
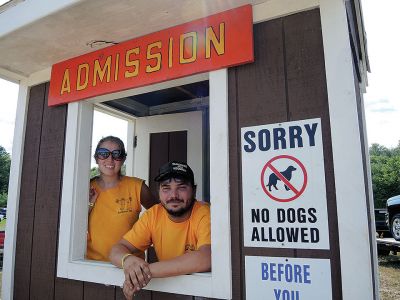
295, 134
285, 295
280, 272
297, 274
279, 136
311, 132
288, 273
307, 274
264, 140
264, 271
272, 271
277, 294
248, 138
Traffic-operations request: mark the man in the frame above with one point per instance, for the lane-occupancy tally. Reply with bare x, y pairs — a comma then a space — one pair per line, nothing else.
178, 228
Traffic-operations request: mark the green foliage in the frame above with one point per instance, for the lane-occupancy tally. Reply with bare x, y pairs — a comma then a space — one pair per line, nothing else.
385, 169
94, 172
3, 199
5, 162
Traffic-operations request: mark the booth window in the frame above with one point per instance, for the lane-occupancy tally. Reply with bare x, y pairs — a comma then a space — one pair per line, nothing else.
185, 120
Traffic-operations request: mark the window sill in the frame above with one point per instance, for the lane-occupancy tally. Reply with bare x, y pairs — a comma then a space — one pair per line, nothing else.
196, 284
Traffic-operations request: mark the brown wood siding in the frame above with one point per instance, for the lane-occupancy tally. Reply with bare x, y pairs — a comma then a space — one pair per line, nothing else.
285, 83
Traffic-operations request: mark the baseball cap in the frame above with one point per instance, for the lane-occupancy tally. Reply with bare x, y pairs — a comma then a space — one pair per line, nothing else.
175, 169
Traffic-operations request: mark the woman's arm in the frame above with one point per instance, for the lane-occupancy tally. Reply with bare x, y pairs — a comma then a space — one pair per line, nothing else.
147, 198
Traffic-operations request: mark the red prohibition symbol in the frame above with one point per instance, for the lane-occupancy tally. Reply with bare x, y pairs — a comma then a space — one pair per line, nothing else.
297, 191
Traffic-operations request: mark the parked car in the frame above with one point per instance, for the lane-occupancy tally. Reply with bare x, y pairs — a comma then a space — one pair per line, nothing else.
393, 216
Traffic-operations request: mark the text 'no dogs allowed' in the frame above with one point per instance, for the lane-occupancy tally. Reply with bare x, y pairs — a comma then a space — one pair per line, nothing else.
283, 182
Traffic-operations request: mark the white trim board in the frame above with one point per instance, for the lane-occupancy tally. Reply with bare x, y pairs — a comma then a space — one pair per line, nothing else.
279, 8
346, 147
7, 291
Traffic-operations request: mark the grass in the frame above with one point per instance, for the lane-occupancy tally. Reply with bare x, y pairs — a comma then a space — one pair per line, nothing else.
389, 277
3, 225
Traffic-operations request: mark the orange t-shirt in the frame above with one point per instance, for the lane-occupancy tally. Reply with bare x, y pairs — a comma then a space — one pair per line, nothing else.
171, 239
115, 211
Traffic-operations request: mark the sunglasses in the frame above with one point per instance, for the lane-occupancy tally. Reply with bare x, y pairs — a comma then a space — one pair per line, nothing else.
103, 153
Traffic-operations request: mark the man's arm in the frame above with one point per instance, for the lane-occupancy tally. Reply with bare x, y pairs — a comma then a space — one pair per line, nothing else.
136, 270
191, 262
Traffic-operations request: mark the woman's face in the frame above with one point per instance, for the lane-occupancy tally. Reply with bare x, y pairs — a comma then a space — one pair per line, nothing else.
109, 166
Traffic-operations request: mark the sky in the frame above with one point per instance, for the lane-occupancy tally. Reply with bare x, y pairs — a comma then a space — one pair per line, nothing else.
382, 100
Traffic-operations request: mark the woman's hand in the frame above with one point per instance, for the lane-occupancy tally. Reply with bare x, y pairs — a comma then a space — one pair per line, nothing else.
93, 194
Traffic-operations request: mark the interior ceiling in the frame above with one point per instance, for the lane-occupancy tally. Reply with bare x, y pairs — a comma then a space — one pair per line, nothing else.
66, 33
198, 90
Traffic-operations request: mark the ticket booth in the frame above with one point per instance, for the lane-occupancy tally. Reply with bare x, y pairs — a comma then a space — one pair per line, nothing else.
263, 99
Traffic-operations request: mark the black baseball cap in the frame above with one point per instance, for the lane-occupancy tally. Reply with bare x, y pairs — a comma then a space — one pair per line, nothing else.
174, 169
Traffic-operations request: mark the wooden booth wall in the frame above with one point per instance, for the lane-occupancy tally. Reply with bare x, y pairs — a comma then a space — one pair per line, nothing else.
285, 83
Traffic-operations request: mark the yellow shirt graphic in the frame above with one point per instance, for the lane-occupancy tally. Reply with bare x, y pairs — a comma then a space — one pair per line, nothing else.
114, 213
171, 239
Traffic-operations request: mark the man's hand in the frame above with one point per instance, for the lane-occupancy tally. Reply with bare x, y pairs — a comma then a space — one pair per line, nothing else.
136, 270
137, 275
128, 290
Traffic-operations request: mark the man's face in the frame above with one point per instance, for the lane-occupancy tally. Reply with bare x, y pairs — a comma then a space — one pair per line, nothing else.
176, 196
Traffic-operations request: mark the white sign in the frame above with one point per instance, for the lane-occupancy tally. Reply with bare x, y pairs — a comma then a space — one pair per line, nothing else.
279, 278
283, 179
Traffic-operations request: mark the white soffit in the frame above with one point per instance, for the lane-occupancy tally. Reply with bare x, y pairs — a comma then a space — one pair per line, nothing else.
45, 36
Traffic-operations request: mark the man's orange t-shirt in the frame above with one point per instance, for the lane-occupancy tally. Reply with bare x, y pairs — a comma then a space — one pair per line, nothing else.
171, 239
114, 213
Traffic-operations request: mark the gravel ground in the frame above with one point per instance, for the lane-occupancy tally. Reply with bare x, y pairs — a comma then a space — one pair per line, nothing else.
389, 277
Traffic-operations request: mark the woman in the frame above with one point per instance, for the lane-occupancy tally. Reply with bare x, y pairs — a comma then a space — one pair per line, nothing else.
114, 200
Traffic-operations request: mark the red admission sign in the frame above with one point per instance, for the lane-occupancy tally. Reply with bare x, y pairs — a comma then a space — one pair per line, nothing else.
215, 42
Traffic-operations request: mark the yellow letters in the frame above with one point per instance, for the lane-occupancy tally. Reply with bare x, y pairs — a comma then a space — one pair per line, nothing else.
66, 85
170, 52
132, 63
219, 46
101, 72
157, 56
182, 48
83, 86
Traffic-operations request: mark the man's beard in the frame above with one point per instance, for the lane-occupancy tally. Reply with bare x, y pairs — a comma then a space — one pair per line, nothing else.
180, 212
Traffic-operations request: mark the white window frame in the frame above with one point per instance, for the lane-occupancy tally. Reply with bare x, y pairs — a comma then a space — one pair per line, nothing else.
73, 220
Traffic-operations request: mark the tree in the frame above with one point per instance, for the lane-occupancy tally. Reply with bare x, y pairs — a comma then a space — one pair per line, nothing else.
5, 162
385, 169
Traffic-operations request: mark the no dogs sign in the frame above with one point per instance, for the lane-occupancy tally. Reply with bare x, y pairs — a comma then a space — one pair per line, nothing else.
283, 179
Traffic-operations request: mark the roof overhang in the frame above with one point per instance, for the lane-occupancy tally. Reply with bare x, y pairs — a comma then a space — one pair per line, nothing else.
34, 35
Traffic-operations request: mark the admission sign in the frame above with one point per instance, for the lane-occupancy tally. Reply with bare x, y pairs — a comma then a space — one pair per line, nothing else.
215, 42
283, 179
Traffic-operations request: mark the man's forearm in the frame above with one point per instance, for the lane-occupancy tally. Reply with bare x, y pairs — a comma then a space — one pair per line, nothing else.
191, 262
117, 253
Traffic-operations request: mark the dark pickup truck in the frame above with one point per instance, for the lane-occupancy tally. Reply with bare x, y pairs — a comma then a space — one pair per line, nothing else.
380, 223
393, 216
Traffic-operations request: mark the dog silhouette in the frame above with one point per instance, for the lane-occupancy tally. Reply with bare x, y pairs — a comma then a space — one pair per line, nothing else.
273, 179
